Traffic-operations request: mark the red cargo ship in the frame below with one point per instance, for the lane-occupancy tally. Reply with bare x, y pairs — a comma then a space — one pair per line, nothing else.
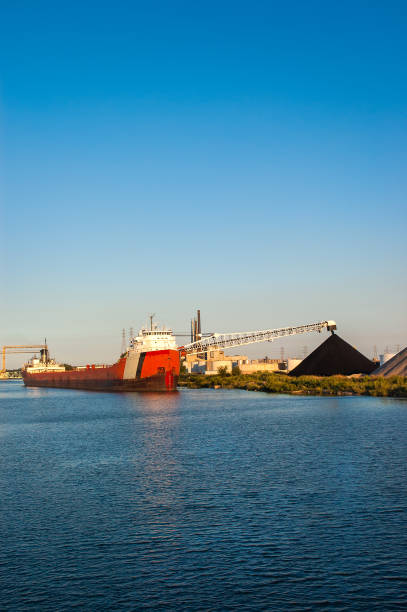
151, 363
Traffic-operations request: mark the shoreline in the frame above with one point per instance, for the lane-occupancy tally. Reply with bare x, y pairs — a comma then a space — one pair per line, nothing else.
395, 386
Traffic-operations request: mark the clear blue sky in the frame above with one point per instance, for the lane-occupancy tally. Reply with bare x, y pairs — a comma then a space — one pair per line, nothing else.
245, 157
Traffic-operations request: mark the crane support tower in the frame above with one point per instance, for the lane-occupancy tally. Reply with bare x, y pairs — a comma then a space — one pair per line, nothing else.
225, 341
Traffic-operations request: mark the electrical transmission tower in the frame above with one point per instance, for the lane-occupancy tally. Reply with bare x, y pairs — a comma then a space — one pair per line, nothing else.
123, 341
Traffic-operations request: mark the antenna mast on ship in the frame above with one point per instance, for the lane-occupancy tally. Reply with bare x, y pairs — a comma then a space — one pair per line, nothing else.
151, 317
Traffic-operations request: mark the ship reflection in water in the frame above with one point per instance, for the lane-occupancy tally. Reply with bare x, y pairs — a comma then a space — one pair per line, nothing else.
201, 499
158, 466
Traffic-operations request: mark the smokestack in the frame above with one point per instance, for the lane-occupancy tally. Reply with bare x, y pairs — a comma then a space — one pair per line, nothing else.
199, 323
44, 355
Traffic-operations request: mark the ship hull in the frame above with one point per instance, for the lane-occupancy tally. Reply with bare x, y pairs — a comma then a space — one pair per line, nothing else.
149, 371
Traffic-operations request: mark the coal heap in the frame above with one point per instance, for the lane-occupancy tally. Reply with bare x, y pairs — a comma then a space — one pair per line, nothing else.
334, 356
396, 366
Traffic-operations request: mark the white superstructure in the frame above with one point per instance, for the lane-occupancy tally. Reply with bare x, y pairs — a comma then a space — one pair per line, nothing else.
35, 366
154, 339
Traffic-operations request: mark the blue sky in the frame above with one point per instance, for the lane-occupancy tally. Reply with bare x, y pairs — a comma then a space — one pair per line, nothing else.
245, 158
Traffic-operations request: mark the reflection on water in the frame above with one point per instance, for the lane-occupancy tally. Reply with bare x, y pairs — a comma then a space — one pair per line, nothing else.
157, 447
201, 500
154, 403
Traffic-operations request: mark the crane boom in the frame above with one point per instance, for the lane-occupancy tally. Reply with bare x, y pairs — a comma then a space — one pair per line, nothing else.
18, 346
225, 341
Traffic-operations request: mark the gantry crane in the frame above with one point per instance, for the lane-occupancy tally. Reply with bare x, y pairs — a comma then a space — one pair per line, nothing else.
225, 341
20, 348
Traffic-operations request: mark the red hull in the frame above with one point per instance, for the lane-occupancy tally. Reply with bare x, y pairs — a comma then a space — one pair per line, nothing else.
150, 371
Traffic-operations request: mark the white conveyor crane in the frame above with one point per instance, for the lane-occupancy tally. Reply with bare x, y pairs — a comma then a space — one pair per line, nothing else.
225, 341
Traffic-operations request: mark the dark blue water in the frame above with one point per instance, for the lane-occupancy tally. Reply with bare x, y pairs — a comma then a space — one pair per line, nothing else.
201, 500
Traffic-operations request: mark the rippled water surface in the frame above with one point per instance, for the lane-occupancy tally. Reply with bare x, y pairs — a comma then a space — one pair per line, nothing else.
201, 500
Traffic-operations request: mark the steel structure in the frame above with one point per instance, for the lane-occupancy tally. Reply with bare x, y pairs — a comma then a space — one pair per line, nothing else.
18, 348
225, 341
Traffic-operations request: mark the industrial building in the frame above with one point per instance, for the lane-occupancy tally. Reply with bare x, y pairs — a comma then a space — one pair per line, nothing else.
210, 362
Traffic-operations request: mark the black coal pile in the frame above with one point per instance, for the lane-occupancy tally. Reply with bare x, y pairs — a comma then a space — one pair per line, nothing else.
334, 356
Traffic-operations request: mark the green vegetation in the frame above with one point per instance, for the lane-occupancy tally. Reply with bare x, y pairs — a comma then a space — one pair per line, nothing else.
182, 370
11, 374
395, 386
222, 371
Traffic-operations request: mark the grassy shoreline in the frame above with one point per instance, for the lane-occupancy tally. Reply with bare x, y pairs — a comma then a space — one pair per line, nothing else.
395, 386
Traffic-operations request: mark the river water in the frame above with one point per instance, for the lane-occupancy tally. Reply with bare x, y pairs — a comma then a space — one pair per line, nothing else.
201, 500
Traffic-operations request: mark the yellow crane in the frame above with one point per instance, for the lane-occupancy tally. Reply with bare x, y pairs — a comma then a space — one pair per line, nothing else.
19, 348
